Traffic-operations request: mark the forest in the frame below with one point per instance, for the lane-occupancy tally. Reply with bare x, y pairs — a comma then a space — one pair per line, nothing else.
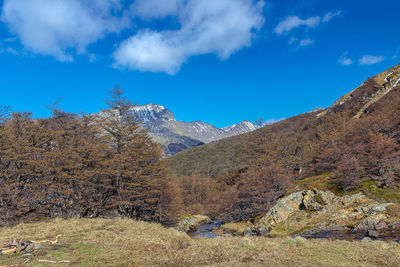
73, 165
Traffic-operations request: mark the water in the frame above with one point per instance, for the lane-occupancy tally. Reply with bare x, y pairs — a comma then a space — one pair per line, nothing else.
212, 230
388, 235
207, 230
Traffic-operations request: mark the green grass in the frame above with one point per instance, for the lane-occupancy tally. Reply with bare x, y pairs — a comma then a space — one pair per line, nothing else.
373, 191
321, 181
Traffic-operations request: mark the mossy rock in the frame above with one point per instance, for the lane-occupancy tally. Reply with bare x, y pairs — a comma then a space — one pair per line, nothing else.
256, 218
190, 223
318, 198
310, 208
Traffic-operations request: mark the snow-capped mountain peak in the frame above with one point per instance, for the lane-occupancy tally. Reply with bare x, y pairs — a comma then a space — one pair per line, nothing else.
152, 112
243, 127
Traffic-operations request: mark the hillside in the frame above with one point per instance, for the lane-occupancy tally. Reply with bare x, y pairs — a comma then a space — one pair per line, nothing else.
298, 137
122, 242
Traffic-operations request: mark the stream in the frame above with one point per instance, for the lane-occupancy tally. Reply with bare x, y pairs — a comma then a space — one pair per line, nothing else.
213, 229
208, 230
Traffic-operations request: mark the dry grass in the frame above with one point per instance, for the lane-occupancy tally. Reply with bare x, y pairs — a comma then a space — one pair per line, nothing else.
121, 242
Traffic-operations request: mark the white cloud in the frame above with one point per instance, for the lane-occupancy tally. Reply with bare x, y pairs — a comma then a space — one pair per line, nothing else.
306, 42
150, 51
293, 22
330, 15
370, 60
344, 60
300, 42
63, 27
207, 27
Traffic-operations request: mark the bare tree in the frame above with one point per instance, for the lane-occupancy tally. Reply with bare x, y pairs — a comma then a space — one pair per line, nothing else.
260, 122
135, 163
5, 112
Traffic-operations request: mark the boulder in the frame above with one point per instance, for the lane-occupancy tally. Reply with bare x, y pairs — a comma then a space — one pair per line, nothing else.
374, 217
381, 225
310, 200
190, 223
373, 234
316, 199
316, 212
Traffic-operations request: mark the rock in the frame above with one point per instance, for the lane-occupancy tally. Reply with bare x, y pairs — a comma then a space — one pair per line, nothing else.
381, 207
316, 199
370, 222
192, 222
317, 212
249, 232
309, 200
321, 231
381, 225
237, 228
373, 233
32, 247
354, 199
366, 239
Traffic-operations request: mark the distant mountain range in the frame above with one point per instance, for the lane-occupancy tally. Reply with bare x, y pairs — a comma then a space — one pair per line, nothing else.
176, 136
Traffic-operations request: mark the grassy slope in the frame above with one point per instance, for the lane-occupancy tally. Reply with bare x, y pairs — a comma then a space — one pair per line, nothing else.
210, 160
121, 242
230, 154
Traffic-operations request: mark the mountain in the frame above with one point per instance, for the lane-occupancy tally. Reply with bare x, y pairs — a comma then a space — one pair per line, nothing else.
296, 142
176, 136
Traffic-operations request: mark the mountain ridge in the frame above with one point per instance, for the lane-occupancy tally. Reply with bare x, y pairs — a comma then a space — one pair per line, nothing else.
176, 136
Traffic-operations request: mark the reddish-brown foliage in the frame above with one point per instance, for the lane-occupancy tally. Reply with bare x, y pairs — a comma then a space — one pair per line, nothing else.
74, 166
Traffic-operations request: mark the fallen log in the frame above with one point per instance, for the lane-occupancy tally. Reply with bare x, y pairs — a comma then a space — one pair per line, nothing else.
46, 241
49, 261
14, 247
8, 251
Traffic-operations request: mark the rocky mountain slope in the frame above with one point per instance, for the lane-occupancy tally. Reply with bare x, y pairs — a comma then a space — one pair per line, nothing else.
176, 136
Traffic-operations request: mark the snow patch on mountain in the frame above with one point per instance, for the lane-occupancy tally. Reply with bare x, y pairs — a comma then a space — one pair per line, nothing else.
152, 112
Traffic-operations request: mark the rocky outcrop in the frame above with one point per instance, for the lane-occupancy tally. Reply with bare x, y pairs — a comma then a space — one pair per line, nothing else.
190, 223
314, 211
309, 200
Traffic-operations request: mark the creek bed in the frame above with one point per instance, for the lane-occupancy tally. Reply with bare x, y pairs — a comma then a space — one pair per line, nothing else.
213, 229
209, 230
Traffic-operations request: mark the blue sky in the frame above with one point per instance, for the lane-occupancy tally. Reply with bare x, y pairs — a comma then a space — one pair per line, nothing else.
216, 61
